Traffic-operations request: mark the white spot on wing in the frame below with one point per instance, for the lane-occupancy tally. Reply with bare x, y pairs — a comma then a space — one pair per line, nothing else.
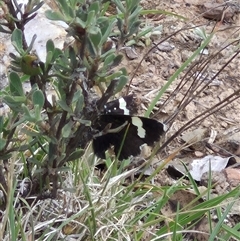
136, 121
123, 106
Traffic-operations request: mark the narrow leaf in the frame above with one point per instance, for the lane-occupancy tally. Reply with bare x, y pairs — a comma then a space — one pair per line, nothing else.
17, 40
38, 98
16, 87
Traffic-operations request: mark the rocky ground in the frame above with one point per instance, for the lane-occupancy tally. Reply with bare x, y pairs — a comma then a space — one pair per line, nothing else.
164, 60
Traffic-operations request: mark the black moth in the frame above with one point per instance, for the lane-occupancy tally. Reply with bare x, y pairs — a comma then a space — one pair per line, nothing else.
116, 121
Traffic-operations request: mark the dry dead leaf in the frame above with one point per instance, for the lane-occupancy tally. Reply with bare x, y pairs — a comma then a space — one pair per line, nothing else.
185, 199
194, 136
213, 163
131, 53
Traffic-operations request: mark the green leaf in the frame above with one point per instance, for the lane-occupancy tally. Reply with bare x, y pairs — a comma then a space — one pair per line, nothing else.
104, 8
103, 23
60, 85
20, 121
121, 84
14, 102
78, 95
93, 29
27, 115
200, 32
145, 31
120, 24
134, 28
33, 7
5, 156
31, 44
75, 155
117, 60
72, 57
16, 87
96, 39
94, 7
91, 18
64, 106
85, 122
73, 3
48, 58
55, 16
134, 15
50, 46
38, 98
92, 49
106, 30
16, 39
103, 77
79, 105
120, 5
66, 9
62, 64
109, 52
132, 42
133, 5
114, 75
2, 143
1, 124
37, 111
81, 23
67, 130
109, 59
56, 54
